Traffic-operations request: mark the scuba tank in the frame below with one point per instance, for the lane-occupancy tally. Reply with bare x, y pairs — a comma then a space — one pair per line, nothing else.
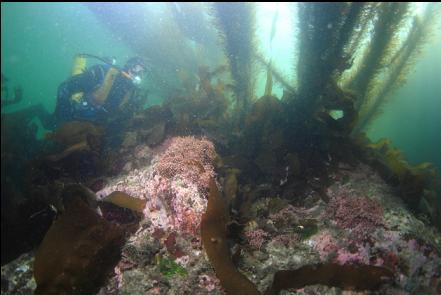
80, 61
80, 64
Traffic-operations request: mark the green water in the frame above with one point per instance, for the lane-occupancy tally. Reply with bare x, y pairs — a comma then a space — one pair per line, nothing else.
40, 40
412, 119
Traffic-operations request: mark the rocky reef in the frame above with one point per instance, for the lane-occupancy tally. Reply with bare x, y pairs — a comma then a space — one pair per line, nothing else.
357, 223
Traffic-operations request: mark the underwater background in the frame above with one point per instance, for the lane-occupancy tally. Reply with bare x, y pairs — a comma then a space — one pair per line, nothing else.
307, 135
39, 42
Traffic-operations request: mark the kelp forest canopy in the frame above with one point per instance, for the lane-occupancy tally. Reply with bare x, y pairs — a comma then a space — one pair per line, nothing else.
302, 79
364, 50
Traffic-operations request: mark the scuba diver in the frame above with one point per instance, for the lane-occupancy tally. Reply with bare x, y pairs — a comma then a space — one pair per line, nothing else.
101, 94
6, 98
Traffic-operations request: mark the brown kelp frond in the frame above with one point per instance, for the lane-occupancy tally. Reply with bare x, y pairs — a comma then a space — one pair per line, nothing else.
356, 277
326, 31
77, 252
214, 239
419, 35
399, 67
278, 77
236, 25
319, 25
361, 28
124, 200
388, 19
358, 46
269, 80
398, 16
353, 15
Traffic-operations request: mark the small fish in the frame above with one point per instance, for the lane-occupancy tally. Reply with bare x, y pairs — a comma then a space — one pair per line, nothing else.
124, 200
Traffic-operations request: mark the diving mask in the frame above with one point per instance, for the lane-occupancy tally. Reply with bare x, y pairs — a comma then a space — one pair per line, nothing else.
137, 73
136, 80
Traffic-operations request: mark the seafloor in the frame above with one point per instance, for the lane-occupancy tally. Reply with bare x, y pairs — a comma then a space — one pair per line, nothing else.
358, 220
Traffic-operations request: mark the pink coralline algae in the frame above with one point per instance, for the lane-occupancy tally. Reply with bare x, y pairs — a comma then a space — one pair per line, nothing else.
287, 240
287, 216
208, 283
360, 215
182, 158
291, 215
359, 256
174, 186
330, 249
256, 238
325, 244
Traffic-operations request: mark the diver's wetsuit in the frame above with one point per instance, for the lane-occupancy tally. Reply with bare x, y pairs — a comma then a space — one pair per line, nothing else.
68, 109
5, 99
87, 82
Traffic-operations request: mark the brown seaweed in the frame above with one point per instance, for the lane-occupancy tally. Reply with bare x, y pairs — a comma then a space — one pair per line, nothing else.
214, 239
352, 277
77, 252
235, 22
122, 199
